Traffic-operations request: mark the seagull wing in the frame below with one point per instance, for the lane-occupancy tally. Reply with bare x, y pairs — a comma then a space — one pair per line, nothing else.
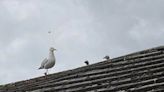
43, 63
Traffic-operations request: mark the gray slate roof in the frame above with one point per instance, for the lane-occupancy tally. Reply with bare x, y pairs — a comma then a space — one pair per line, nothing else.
142, 71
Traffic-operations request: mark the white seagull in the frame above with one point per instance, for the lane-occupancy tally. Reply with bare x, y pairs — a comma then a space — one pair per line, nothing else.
48, 62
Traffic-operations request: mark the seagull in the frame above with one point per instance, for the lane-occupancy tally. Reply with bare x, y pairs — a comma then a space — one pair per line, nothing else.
86, 62
49, 62
106, 57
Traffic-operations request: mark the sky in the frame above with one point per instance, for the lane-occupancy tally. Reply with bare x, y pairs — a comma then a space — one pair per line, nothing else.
80, 30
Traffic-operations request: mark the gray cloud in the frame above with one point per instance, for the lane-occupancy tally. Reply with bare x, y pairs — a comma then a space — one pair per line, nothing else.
83, 29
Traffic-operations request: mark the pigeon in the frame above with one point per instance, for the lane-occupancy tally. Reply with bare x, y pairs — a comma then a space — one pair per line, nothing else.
106, 57
49, 62
86, 62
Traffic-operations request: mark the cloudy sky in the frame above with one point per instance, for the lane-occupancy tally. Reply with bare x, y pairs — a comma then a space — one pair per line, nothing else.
80, 30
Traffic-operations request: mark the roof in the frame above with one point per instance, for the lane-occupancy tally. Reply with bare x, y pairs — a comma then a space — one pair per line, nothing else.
141, 71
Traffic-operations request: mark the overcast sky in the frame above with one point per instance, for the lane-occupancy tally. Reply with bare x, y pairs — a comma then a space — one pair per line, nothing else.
80, 30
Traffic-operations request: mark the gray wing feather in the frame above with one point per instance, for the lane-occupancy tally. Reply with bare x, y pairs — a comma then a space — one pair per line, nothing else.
43, 63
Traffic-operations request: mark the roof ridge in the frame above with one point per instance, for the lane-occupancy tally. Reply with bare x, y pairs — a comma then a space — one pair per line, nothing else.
85, 68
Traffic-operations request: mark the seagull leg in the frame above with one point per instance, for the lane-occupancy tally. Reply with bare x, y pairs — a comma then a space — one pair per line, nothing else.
46, 72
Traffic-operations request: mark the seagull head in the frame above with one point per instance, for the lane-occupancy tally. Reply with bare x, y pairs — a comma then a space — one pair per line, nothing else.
52, 49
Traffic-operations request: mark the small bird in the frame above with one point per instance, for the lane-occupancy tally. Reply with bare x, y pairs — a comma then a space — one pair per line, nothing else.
86, 62
106, 57
49, 62
49, 32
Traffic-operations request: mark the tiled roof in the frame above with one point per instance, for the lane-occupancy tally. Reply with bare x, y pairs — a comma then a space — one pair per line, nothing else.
142, 71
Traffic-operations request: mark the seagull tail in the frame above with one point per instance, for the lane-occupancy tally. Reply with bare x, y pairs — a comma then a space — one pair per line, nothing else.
40, 68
